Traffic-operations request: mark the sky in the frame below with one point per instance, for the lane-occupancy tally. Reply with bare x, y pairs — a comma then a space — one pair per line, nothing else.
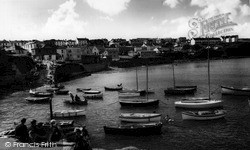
71, 19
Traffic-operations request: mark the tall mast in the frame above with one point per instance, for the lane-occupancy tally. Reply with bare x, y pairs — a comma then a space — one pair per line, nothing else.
173, 74
208, 70
147, 81
136, 79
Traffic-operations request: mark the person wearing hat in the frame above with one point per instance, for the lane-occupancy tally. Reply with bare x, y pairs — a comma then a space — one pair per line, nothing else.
80, 142
55, 132
41, 133
21, 131
32, 131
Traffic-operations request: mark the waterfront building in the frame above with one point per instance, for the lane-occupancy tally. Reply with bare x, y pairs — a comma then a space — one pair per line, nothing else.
146, 54
74, 53
32, 45
124, 50
62, 51
112, 52
5, 43
71, 43
230, 38
82, 41
205, 41
46, 52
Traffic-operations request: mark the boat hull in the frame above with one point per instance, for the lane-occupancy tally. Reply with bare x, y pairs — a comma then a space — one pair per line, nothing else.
113, 88
143, 129
66, 114
93, 96
139, 102
41, 94
192, 116
199, 104
38, 99
180, 90
235, 91
140, 117
129, 94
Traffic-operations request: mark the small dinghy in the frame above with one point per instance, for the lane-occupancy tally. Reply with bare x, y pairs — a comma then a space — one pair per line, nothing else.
82, 89
140, 117
92, 92
235, 91
62, 92
81, 102
139, 102
93, 96
199, 104
38, 99
134, 129
203, 115
69, 113
113, 88
40, 94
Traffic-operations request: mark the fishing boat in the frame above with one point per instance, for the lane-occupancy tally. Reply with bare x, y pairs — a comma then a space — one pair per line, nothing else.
93, 96
82, 89
81, 102
134, 129
203, 115
114, 88
62, 92
198, 103
38, 99
40, 94
179, 90
140, 117
139, 101
52, 89
235, 91
69, 113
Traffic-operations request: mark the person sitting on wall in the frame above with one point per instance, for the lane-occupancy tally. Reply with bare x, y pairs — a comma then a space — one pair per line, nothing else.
21, 131
72, 96
77, 98
55, 132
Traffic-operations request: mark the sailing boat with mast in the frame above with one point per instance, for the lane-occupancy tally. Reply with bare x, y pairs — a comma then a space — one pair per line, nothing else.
179, 90
134, 92
200, 103
140, 102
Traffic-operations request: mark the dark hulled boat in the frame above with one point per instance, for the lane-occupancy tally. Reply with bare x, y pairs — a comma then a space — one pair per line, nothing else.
135, 129
38, 99
180, 90
139, 102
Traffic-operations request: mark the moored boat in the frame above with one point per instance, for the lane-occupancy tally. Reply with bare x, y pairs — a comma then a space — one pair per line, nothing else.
180, 90
92, 92
62, 92
235, 91
69, 113
135, 129
82, 89
140, 117
113, 88
52, 89
139, 102
129, 94
203, 115
38, 99
40, 94
93, 96
199, 104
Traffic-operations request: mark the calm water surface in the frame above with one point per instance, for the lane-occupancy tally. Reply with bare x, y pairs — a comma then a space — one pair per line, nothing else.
233, 132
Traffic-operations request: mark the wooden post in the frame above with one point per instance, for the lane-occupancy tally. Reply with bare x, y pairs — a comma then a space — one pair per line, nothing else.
50, 106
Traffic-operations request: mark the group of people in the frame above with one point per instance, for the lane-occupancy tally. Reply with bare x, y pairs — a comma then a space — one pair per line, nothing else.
75, 98
37, 132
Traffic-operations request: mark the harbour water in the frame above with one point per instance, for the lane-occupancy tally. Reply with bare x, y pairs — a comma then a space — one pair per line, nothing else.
233, 132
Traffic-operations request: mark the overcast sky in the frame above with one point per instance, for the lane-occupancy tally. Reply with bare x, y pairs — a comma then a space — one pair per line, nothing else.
68, 19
